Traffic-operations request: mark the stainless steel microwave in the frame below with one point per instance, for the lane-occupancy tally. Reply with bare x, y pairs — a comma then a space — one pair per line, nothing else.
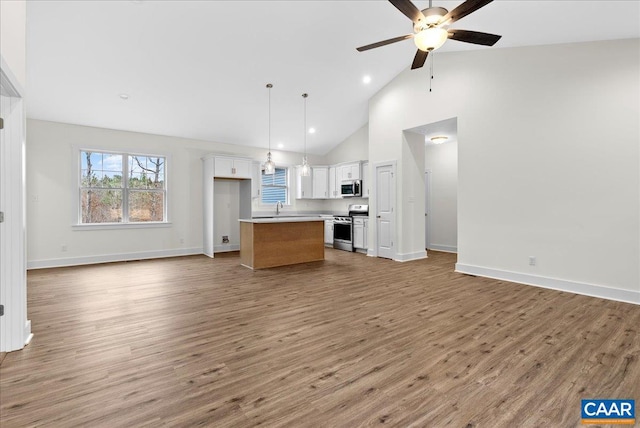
351, 188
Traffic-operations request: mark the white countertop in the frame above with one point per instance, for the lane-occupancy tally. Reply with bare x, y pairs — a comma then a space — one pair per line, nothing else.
283, 219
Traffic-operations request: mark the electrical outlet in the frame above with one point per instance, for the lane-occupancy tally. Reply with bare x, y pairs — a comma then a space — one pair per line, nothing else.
532, 260
225, 239
63, 247
182, 240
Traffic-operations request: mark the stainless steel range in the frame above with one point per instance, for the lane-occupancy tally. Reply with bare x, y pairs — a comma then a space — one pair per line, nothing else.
343, 227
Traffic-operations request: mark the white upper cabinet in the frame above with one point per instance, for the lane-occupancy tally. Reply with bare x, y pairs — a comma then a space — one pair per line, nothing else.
366, 184
334, 184
256, 178
320, 182
325, 182
304, 189
231, 167
349, 171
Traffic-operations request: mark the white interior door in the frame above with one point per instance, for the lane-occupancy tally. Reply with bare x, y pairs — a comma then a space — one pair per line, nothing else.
385, 210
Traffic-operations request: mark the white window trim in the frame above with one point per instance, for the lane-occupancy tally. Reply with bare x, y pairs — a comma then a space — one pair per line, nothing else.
76, 222
290, 195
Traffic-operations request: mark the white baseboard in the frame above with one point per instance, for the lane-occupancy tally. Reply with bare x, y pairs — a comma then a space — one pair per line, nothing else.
443, 248
627, 296
408, 257
107, 258
226, 248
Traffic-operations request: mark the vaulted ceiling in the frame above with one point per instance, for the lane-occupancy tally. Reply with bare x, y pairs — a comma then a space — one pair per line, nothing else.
198, 69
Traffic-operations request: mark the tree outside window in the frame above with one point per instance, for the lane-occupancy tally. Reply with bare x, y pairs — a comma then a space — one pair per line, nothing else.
105, 197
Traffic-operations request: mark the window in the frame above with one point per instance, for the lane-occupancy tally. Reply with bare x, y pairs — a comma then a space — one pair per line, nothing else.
275, 187
122, 188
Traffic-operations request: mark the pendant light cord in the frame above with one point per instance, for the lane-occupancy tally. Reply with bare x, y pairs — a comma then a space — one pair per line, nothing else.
305, 123
269, 86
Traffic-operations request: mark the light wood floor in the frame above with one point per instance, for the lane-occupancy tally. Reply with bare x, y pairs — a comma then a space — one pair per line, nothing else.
349, 341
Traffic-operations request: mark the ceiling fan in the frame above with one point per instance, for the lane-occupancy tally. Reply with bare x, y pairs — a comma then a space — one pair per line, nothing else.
428, 28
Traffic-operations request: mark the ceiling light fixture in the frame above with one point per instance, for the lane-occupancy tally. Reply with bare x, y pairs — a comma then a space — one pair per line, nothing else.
439, 139
124, 96
431, 39
269, 165
305, 171
281, 145
312, 130
366, 79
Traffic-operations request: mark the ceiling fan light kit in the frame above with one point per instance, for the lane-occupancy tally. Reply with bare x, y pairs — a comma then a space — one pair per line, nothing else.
430, 39
428, 28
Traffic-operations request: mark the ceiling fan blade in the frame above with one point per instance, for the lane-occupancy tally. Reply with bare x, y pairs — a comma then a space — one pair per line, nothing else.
384, 42
474, 37
419, 59
409, 9
463, 10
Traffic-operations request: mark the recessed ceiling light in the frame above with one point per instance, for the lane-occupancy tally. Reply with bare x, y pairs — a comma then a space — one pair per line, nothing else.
280, 145
124, 96
439, 139
366, 79
312, 130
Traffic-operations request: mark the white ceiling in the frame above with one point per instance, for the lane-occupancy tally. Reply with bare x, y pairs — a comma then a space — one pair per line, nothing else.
198, 69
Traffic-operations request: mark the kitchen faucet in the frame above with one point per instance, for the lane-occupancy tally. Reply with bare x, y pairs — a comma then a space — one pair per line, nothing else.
278, 206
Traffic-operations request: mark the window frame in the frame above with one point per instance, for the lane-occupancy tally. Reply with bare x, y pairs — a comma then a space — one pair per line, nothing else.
287, 187
125, 223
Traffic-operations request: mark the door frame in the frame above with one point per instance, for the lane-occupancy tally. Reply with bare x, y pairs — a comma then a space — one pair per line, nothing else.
394, 169
15, 328
428, 174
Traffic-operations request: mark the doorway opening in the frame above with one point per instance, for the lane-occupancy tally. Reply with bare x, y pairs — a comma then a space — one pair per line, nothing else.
441, 184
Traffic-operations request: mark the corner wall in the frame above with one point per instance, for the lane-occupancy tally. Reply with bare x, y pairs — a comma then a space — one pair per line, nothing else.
548, 160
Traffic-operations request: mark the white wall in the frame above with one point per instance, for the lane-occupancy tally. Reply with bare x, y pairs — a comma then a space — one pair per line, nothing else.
13, 20
548, 160
442, 161
411, 218
51, 194
355, 147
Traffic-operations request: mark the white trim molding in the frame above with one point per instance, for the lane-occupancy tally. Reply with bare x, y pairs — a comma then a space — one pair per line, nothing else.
592, 290
109, 258
409, 257
226, 248
443, 248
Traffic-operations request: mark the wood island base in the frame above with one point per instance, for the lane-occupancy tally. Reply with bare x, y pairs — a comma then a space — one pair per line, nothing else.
265, 244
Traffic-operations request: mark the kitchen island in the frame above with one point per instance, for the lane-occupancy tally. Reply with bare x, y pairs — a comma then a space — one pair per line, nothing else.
281, 241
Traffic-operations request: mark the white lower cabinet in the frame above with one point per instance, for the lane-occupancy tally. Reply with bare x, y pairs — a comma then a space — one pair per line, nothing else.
366, 234
360, 230
328, 232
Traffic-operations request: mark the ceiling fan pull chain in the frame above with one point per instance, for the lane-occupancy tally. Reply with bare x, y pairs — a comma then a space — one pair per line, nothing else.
431, 72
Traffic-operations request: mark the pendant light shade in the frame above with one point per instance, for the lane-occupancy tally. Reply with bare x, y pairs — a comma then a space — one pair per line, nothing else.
305, 171
269, 165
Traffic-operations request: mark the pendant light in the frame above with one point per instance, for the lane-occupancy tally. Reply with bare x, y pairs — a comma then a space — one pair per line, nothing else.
269, 165
306, 169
